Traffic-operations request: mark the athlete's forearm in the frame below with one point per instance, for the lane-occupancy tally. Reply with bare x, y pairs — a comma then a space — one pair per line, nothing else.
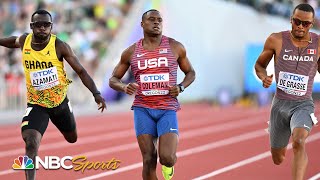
116, 84
88, 82
189, 78
261, 72
9, 42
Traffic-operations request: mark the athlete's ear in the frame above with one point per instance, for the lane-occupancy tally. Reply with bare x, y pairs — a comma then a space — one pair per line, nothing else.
141, 24
31, 26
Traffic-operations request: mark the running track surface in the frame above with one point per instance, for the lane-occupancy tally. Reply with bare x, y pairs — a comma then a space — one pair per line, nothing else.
215, 143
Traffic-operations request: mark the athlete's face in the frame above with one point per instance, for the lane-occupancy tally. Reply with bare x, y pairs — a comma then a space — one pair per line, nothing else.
301, 22
152, 23
41, 26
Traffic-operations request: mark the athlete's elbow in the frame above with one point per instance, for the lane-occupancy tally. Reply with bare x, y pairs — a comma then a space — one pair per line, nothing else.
112, 82
192, 75
81, 73
257, 67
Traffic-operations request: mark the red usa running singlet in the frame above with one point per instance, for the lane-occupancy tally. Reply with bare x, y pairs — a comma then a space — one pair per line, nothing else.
154, 71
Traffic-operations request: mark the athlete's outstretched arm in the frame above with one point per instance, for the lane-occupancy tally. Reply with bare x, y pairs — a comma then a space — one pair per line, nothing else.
10, 42
263, 61
119, 71
68, 54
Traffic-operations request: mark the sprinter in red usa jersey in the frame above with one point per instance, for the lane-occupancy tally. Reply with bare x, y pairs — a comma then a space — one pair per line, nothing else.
154, 61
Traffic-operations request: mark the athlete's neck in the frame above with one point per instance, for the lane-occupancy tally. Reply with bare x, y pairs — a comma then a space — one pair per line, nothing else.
151, 43
39, 42
302, 39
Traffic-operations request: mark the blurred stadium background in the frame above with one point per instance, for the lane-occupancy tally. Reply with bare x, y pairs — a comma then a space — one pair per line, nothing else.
222, 38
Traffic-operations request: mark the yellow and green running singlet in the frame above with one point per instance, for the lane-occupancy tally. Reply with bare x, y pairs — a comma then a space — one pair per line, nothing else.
46, 79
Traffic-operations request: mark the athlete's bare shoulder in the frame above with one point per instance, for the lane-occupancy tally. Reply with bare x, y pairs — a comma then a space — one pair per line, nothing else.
60, 44
174, 43
21, 39
62, 48
128, 53
274, 41
177, 47
130, 50
275, 37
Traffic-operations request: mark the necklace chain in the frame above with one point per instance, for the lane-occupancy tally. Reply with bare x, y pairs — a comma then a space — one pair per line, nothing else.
309, 41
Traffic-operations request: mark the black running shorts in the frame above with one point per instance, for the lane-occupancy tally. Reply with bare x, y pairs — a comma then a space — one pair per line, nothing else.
37, 117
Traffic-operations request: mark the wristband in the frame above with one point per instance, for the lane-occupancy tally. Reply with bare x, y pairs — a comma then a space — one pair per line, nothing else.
96, 93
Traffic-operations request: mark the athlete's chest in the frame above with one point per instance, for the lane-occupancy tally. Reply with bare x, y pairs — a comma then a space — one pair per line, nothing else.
161, 58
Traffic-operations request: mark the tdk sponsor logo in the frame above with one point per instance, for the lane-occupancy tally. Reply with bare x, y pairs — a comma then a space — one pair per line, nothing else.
154, 78
293, 77
43, 73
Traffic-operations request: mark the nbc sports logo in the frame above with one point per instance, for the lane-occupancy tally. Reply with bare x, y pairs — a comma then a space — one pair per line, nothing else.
22, 162
78, 163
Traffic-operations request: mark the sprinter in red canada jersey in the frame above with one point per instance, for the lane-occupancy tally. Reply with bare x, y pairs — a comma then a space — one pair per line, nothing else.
154, 61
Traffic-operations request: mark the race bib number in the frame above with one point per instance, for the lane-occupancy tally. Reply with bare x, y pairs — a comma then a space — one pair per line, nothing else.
154, 84
44, 79
294, 84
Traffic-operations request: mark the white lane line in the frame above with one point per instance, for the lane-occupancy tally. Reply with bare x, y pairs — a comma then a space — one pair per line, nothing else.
130, 132
206, 147
315, 177
126, 147
52, 134
83, 140
249, 160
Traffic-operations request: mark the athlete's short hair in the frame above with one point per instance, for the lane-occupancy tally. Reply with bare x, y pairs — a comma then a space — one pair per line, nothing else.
145, 13
304, 7
40, 11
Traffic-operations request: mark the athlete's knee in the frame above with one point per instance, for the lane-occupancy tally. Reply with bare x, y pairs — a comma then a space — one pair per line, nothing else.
278, 159
299, 137
32, 144
71, 137
298, 143
149, 159
168, 159
278, 155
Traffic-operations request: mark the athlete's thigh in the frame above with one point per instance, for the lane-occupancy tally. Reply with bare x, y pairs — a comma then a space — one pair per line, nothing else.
302, 116
35, 117
143, 122
62, 117
167, 123
168, 144
147, 144
279, 126
168, 132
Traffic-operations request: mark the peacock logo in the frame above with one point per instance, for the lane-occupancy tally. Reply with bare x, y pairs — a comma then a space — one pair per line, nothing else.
23, 162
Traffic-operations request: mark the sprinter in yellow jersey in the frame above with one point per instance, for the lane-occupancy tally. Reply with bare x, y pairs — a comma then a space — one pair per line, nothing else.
47, 83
